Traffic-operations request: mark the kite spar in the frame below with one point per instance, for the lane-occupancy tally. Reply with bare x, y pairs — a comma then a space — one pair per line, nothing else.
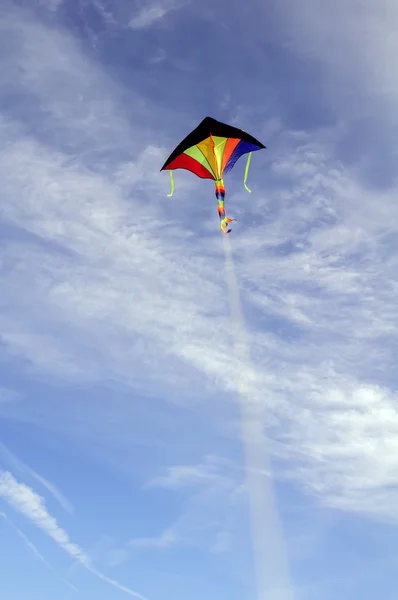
210, 151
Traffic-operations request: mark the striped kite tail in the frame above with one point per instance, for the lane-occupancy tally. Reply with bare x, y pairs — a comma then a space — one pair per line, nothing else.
220, 195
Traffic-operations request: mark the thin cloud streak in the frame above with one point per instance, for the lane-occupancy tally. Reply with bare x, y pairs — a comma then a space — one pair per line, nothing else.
152, 12
164, 540
269, 549
26, 541
24, 500
24, 468
186, 475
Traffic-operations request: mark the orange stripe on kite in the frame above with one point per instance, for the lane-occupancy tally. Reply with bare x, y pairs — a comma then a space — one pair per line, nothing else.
229, 148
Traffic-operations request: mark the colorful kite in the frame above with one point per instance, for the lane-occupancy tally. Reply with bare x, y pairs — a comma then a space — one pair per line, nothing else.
210, 151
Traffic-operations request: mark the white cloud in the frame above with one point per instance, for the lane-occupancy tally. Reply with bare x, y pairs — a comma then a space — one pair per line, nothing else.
82, 102
333, 310
355, 43
326, 288
64, 502
152, 12
210, 493
164, 540
187, 475
9, 456
348, 446
26, 540
31, 505
147, 16
121, 285
52, 4
105, 12
26, 501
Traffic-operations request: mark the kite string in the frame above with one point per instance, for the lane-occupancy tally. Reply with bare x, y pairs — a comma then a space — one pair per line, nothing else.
269, 553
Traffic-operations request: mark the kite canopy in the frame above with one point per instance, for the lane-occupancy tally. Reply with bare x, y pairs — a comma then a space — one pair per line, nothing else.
211, 150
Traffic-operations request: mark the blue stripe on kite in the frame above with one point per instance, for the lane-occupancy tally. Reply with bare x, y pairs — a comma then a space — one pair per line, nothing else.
241, 148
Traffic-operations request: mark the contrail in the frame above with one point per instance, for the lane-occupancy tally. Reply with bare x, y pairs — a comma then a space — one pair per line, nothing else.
26, 540
270, 561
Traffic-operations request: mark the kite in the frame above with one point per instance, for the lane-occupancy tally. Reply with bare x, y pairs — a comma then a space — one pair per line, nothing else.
210, 151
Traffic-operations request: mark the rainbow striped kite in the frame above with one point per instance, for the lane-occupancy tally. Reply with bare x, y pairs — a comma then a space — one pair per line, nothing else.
210, 151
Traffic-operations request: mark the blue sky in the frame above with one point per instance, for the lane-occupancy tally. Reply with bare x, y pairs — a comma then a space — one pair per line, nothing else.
122, 468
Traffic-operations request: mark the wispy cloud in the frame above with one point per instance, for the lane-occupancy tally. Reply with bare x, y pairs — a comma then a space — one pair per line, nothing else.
187, 475
164, 540
23, 499
63, 501
128, 286
17, 463
330, 307
52, 4
152, 12
370, 74
26, 540
26, 501
211, 492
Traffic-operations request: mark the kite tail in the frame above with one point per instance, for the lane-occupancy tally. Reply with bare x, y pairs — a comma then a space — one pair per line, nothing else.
220, 195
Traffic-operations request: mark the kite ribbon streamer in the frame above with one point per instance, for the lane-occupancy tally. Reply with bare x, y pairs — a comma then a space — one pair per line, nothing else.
247, 171
220, 195
171, 185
